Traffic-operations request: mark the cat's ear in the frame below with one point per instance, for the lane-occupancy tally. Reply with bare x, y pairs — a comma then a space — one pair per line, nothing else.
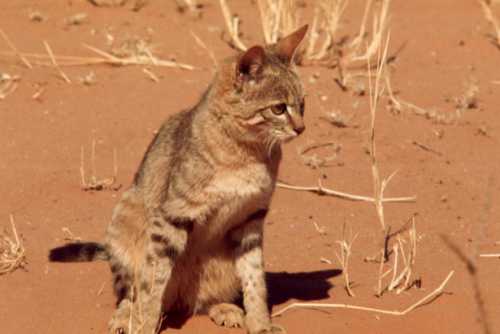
286, 47
250, 63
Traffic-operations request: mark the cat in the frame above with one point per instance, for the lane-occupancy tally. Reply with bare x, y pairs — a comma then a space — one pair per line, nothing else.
187, 235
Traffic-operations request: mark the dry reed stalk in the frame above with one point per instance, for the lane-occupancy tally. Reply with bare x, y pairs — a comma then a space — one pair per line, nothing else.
379, 29
488, 14
94, 183
54, 62
320, 190
327, 20
425, 300
358, 41
232, 24
279, 18
344, 256
202, 44
12, 253
375, 91
15, 50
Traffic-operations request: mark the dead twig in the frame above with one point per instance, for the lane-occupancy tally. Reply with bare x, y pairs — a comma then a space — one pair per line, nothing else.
54, 62
431, 296
15, 50
204, 47
320, 190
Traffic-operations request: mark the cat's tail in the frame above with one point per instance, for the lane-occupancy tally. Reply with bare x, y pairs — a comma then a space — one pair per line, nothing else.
79, 252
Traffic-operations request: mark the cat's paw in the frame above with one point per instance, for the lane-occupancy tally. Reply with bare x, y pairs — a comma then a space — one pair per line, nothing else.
254, 327
227, 315
119, 323
273, 329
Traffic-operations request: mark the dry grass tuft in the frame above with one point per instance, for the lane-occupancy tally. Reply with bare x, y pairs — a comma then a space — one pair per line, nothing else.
8, 84
278, 18
12, 253
468, 100
345, 254
76, 19
94, 183
404, 250
326, 22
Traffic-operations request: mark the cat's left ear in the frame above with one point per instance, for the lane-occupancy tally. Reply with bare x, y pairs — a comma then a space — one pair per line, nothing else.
286, 48
250, 63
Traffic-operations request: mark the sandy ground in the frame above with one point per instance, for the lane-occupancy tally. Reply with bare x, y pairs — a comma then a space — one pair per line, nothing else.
453, 169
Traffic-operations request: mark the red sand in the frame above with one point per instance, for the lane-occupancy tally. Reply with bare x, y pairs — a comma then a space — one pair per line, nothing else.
443, 47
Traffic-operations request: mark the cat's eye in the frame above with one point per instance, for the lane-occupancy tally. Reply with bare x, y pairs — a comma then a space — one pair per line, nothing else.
279, 109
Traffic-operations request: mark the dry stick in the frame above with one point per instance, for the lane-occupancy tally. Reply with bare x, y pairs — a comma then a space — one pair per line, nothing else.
320, 190
438, 291
232, 26
492, 19
54, 62
205, 47
374, 92
14, 49
490, 255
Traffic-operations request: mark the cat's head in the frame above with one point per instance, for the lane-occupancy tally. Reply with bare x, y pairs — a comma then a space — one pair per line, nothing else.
264, 92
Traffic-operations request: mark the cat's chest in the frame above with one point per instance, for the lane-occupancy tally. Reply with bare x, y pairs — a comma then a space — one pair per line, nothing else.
240, 193
243, 184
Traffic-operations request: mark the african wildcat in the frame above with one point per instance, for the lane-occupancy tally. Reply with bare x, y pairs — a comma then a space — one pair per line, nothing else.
187, 235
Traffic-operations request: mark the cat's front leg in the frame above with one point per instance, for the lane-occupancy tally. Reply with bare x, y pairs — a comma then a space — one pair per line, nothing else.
250, 270
166, 240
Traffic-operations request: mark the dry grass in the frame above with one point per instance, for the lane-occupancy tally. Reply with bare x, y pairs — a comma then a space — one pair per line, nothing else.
468, 100
15, 50
134, 51
8, 84
232, 24
344, 256
493, 20
93, 182
326, 22
278, 18
407, 250
54, 62
375, 91
12, 253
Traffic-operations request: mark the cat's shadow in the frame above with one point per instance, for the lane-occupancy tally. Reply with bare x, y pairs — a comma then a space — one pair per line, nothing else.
282, 287
303, 286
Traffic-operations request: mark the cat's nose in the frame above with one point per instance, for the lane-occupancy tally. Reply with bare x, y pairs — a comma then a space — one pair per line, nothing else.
299, 129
